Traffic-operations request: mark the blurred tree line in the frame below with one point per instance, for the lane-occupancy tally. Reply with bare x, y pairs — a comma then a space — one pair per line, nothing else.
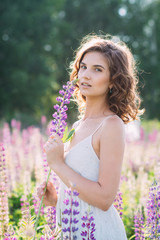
38, 38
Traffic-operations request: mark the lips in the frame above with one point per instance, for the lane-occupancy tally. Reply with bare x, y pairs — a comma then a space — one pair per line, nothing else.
85, 84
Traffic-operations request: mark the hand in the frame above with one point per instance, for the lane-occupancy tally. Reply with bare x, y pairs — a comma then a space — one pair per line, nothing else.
50, 197
54, 149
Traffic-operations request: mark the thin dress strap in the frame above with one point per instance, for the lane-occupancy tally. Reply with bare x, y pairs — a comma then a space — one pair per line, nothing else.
102, 123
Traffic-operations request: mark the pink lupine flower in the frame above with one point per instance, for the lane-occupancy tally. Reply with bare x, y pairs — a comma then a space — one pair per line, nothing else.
26, 215
43, 120
142, 134
153, 136
36, 204
12, 238
139, 226
6, 135
4, 219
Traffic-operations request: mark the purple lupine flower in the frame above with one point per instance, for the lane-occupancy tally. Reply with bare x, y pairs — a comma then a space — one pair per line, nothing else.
139, 226
10, 233
59, 124
153, 211
51, 217
51, 211
88, 225
118, 203
4, 219
69, 219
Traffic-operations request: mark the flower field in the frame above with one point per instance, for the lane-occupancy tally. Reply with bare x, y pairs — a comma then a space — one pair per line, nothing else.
23, 167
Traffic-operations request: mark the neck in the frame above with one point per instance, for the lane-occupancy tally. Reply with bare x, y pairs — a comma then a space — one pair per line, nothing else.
96, 108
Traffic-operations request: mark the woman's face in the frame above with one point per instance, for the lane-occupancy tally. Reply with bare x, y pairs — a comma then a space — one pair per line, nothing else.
94, 75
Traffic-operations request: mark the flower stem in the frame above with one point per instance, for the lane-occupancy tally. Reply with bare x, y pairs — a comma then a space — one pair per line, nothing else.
37, 219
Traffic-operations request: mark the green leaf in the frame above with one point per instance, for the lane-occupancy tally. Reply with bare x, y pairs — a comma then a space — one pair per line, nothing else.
65, 134
70, 135
40, 227
132, 237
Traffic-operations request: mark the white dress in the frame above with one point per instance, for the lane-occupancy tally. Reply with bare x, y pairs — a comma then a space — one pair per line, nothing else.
108, 224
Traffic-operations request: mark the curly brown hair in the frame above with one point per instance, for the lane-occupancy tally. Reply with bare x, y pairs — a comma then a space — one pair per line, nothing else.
124, 99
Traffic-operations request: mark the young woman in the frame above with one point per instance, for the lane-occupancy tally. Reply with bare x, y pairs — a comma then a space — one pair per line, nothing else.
107, 97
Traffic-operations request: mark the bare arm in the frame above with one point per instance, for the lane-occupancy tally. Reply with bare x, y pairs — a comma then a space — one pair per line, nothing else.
102, 193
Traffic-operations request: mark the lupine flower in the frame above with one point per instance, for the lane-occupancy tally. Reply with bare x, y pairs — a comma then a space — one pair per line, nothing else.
25, 208
6, 135
55, 180
139, 226
153, 212
118, 203
12, 238
60, 116
43, 120
88, 225
26, 224
51, 217
69, 219
4, 219
59, 124
15, 124
153, 136
9, 234
48, 234
36, 204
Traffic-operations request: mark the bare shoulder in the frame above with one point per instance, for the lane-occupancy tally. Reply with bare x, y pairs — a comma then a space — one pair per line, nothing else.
114, 126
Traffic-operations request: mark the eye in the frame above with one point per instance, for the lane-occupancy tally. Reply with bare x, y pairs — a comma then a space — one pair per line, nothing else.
98, 70
83, 66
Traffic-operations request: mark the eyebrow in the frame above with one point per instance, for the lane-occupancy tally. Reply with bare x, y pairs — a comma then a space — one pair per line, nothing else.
96, 65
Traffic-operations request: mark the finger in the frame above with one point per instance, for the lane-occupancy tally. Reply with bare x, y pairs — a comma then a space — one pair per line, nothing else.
58, 140
55, 136
52, 141
52, 136
47, 146
49, 186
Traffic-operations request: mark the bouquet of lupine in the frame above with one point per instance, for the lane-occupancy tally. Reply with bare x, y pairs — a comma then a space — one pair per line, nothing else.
59, 126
